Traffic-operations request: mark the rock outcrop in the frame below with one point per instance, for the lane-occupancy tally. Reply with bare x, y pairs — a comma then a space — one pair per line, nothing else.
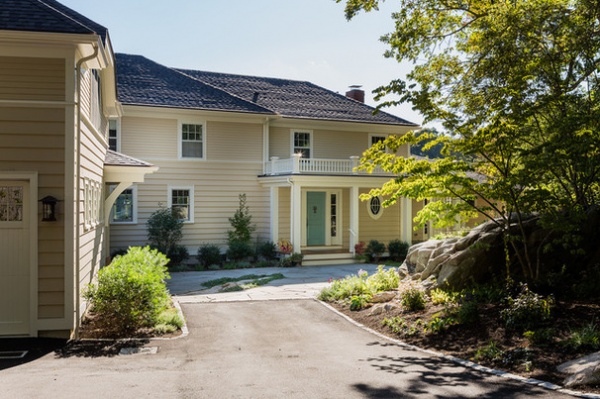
456, 262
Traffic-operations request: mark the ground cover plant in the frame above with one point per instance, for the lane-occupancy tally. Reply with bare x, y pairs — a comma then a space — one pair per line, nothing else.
511, 328
131, 297
250, 281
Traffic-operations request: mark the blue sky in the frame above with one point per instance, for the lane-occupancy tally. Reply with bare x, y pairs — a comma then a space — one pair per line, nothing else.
303, 40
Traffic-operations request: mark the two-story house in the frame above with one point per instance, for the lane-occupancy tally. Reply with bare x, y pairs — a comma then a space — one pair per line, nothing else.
57, 92
290, 146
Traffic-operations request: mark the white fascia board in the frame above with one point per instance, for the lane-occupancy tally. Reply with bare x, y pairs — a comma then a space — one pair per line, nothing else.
342, 126
145, 111
133, 174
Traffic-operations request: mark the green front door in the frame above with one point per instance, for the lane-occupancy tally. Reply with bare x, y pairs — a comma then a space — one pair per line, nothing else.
315, 218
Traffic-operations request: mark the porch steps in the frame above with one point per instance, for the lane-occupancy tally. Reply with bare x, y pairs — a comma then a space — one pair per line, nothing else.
323, 259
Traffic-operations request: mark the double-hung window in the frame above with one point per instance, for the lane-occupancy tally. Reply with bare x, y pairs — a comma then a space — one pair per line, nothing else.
182, 200
192, 140
375, 138
113, 135
302, 143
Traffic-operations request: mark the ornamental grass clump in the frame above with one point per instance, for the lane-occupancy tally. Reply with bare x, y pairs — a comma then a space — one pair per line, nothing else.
130, 292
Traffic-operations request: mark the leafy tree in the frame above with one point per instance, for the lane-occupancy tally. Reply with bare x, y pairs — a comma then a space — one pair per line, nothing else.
515, 84
165, 230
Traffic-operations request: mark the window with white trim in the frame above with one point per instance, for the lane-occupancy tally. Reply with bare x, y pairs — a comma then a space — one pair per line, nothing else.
182, 200
113, 135
302, 143
192, 140
124, 208
375, 208
376, 138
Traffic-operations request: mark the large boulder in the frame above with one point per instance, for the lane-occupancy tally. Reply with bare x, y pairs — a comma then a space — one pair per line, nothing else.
457, 262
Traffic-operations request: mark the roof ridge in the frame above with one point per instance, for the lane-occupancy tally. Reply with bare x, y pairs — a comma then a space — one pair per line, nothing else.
222, 90
43, 2
242, 75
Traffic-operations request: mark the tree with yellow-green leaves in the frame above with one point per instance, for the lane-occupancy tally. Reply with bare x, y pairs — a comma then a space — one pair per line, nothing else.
515, 85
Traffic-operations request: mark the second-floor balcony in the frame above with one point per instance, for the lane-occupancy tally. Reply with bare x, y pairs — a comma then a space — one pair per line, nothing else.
298, 165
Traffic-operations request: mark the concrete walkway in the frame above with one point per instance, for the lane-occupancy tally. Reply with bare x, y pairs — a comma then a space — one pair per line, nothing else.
299, 283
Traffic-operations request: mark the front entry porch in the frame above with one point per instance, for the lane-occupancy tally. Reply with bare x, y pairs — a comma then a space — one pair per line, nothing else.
323, 217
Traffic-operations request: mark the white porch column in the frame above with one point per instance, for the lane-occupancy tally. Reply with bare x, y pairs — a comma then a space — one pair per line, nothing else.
274, 230
353, 217
296, 210
406, 220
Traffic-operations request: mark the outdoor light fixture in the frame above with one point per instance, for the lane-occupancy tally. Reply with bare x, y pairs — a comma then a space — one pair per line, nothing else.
49, 208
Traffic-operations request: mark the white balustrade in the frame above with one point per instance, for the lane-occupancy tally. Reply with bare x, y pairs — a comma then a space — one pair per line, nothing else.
299, 165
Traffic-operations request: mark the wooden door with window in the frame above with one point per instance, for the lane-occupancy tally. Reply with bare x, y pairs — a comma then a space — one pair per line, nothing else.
14, 258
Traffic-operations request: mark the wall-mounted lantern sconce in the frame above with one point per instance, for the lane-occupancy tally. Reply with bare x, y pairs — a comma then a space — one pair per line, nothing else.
49, 208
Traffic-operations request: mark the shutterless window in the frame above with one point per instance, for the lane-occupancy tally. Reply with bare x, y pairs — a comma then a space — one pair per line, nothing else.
123, 208
112, 135
180, 200
192, 141
302, 144
377, 139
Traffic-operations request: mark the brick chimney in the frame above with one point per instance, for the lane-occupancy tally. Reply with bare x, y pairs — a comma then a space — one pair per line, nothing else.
356, 93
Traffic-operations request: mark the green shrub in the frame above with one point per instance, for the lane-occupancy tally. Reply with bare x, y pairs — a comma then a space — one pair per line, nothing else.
468, 313
397, 324
383, 280
239, 250
439, 324
540, 337
441, 297
353, 285
165, 231
587, 337
527, 311
358, 302
177, 255
398, 250
209, 254
267, 250
412, 299
491, 352
374, 250
130, 292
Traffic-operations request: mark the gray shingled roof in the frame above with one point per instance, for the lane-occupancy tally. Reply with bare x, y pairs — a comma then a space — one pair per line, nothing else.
46, 16
114, 158
141, 81
296, 99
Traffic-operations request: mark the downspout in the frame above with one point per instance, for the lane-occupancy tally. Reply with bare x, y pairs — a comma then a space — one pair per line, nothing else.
78, 185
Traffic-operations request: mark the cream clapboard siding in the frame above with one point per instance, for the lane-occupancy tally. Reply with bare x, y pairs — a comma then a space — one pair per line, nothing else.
39, 79
327, 144
91, 228
233, 162
149, 138
217, 186
384, 229
234, 141
284, 214
34, 139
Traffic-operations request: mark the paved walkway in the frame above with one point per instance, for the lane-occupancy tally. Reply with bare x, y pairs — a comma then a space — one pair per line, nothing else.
299, 283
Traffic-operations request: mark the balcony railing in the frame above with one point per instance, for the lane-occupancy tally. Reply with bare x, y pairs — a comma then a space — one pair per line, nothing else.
299, 165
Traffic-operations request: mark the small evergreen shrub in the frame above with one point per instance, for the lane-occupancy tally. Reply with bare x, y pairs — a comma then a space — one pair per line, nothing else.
165, 230
412, 299
130, 292
209, 254
398, 250
267, 250
441, 297
585, 338
239, 250
177, 255
241, 223
374, 250
527, 311
468, 313
358, 302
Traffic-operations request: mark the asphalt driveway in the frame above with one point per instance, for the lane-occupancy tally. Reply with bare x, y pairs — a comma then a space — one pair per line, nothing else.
259, 349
